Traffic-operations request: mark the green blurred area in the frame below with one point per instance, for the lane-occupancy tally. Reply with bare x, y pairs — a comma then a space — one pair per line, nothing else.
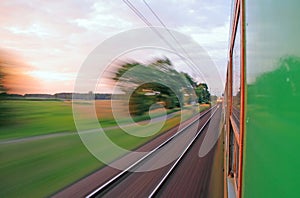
28, 118
39, 168
272, 137
38, 157
272, 159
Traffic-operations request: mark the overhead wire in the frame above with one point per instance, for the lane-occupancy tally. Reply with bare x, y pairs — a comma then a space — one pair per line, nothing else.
144, 19
172, 35
188, 59
162, 23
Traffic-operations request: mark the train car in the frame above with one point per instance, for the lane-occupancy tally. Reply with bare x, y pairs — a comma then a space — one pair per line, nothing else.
262, 100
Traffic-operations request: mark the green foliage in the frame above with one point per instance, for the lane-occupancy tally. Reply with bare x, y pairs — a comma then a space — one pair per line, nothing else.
190, 79
140, 103
124, 69
202, 93
156, 82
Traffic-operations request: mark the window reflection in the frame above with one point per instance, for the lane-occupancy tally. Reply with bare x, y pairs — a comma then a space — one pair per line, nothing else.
236, 77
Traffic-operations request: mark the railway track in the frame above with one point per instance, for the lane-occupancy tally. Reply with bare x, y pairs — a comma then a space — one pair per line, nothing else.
146, 176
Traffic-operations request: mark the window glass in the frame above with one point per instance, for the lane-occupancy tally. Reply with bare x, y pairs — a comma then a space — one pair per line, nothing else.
236, 77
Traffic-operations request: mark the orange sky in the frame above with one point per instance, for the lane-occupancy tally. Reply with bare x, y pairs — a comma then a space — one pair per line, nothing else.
15, 78
44, 43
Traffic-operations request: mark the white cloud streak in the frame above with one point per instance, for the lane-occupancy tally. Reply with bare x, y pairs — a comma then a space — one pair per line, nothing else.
55, 38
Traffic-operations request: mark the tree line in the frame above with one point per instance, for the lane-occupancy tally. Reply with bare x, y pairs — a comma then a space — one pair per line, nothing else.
159, 82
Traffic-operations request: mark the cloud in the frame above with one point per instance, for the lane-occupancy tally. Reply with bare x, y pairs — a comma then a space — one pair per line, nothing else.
57, 37
51, 76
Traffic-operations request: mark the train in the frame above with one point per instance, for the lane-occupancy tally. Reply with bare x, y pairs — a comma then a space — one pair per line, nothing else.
262, 100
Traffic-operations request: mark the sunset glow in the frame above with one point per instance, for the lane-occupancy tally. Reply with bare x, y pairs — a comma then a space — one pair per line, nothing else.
46, 46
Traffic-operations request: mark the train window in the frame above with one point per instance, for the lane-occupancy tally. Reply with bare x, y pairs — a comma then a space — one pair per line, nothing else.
231, 153
234, 98
236, 77
233, 156
237, 153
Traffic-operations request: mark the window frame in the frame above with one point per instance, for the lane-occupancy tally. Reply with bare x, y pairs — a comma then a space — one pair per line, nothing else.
233, 128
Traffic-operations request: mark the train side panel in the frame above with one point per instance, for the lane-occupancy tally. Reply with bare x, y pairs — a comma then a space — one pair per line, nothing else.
272, 108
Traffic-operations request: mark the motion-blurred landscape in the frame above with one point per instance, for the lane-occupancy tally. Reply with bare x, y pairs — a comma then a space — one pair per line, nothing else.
39, 141
43, 47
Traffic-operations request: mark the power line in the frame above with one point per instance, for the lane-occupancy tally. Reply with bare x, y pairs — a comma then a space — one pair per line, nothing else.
172, 35
162, 23
144, 19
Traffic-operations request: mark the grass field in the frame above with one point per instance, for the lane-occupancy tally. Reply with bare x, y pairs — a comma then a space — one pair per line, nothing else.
30, 118
40, 167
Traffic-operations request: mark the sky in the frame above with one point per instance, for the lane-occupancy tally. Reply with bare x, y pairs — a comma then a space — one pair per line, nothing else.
44, 43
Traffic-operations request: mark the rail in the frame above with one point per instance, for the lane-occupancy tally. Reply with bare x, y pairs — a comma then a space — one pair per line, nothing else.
117, 177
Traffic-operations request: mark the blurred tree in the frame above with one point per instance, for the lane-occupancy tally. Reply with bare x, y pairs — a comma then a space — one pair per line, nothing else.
140, 103
156, 82
202, 93
190, 80
2, 88
4, 109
